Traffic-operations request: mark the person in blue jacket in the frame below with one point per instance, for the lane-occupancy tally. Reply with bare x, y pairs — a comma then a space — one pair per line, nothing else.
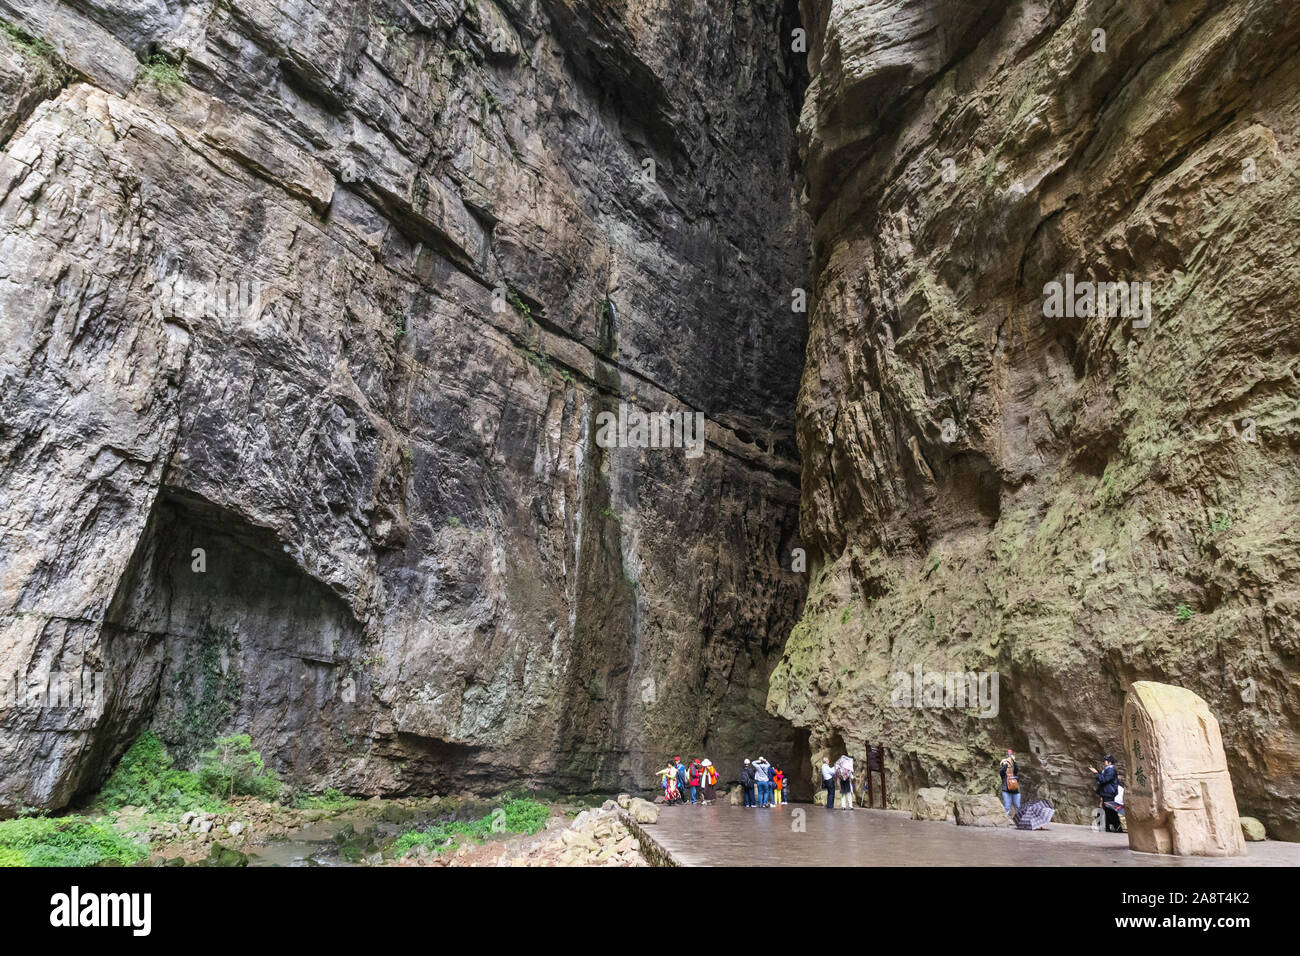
1108, 789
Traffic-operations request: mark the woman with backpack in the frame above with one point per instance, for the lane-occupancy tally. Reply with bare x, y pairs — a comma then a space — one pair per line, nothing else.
1009, 770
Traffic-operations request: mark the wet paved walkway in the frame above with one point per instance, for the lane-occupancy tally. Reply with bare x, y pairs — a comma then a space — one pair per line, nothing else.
733, 836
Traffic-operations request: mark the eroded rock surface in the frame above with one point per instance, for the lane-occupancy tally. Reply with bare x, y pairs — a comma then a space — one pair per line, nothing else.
1070, 503
932, 803
307, 314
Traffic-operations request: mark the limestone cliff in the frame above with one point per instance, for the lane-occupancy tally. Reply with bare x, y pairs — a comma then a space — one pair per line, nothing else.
308, 313
1069, 499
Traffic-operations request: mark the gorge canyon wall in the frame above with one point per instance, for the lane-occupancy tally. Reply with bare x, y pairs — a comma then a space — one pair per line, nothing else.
309, 311
1066, 500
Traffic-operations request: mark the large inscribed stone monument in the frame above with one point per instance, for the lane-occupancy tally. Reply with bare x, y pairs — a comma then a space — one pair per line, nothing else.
1179, 796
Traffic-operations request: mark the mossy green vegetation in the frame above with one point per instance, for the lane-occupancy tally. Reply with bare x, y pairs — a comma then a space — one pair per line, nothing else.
45, 62
232, 767
66, 841
161, 73
207, 687
332, 799
146, 777
520, 816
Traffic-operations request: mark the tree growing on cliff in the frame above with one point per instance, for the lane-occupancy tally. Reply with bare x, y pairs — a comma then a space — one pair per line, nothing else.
233, 767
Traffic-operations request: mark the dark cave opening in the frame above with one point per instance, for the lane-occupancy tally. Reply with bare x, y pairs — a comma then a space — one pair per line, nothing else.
213, 631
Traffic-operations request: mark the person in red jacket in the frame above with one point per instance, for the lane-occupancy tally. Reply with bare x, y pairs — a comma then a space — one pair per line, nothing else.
693, 778
778, 784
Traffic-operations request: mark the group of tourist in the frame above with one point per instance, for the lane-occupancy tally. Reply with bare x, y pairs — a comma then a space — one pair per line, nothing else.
694, 783
762, 783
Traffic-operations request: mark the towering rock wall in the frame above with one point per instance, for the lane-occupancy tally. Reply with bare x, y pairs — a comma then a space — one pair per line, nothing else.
307, 315
1068, 500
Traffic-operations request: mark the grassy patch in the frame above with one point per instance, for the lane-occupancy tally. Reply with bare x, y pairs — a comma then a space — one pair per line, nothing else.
515, 816
331, 799
66, 841
43, 58
161, 73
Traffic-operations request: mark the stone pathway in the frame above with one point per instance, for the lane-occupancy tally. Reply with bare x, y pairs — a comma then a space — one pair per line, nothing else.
734, 836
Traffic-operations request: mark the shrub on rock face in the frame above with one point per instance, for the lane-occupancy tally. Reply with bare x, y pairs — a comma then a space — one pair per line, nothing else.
233, 767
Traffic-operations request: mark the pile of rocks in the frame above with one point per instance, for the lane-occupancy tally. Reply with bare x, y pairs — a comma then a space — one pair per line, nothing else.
194, 827
196, 821
594, 838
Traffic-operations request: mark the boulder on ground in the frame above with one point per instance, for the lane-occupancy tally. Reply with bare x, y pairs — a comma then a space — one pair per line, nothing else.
932, 803
224, 856
1252, 830
643, 811
737, 796
1178, 796
624, 799
980, 810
